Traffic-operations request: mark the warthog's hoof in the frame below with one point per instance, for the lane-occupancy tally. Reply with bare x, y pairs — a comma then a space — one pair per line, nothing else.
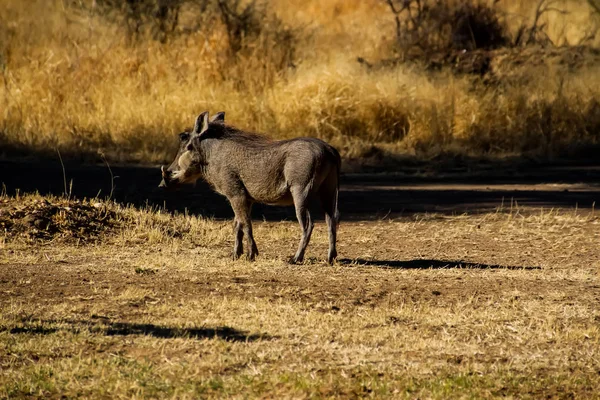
251, 255
331, 256
295, 261
248, 256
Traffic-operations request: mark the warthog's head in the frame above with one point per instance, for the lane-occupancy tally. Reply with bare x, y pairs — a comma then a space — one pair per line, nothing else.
188, 164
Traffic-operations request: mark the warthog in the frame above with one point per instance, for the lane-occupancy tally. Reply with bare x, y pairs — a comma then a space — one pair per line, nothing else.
248, 168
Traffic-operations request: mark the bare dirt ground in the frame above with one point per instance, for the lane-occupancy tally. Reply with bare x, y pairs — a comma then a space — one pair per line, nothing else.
472, 299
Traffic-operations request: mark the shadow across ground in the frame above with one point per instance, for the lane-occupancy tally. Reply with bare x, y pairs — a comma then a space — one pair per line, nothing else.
108, 328
428, 264
362, 196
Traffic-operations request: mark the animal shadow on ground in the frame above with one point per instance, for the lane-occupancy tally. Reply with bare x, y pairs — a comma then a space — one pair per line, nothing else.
428, 264
44, 327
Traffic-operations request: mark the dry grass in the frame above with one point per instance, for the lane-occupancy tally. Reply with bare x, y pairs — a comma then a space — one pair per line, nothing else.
72, 80
147, 313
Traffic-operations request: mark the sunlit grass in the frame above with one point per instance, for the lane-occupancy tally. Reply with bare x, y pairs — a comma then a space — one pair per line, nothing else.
72, 80
512, 311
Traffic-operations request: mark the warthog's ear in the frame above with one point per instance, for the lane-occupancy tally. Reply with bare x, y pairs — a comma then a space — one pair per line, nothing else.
219, 117
201, 123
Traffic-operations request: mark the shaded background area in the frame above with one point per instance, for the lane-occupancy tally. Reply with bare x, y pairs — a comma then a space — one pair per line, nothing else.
362, 196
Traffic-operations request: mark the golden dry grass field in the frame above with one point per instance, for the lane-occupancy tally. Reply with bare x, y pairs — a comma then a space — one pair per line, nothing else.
102, 301
445, 287
75, 78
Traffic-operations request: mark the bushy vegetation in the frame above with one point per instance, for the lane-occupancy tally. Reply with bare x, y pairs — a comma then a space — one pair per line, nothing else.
124, 77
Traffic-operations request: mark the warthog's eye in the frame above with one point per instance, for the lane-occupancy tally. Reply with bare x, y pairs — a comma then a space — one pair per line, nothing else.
184, 136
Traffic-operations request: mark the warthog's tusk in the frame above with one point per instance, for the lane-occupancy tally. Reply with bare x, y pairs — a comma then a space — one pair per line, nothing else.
162, 170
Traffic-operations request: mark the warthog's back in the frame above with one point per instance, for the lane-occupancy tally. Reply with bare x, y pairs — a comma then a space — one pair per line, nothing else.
309, 159
268, 169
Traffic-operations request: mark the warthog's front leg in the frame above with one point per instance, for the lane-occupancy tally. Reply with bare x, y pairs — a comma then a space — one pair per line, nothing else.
243, 226
239, 235
251, 249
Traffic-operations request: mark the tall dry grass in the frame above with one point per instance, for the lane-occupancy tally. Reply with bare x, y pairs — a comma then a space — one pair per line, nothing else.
73, 80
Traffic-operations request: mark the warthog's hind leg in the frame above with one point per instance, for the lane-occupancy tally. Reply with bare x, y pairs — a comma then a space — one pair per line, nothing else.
306, 224
328, 196
332, 227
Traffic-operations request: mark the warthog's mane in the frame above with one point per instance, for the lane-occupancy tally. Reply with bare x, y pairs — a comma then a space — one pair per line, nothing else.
227, 132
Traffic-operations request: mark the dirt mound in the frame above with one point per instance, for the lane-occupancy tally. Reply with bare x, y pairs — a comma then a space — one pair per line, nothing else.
57, 218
